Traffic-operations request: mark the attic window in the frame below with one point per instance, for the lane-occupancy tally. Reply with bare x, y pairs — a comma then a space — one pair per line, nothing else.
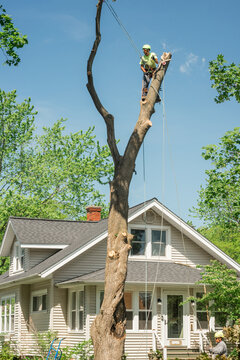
18, 257
151, 241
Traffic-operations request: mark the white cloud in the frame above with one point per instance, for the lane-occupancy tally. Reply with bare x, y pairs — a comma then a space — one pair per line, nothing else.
190, 61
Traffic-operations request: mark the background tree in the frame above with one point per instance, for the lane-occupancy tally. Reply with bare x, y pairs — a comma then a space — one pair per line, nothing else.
53, 175
223, 293
226, 79
108, 329
10, 38
219, 200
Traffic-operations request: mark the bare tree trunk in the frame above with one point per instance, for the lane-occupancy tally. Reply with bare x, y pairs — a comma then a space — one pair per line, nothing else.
108, 329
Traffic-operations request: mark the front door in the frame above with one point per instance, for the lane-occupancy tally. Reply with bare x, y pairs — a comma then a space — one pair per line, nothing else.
174, 319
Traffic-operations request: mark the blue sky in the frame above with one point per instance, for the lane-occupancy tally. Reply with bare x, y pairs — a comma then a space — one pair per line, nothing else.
53, 73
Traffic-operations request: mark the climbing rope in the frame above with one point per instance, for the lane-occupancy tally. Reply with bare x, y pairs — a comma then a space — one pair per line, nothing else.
116, 17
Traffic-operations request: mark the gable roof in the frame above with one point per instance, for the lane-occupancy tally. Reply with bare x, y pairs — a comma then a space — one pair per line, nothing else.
86, 234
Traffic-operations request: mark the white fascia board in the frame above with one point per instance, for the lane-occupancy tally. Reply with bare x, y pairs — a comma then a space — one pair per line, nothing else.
7, 240
73, 255
174, 220
195, 236
42, 246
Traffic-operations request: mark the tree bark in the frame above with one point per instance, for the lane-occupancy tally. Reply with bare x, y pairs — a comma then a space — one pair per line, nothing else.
108, 329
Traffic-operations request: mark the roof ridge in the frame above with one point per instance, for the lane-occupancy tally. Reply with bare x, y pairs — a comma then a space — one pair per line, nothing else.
46, 219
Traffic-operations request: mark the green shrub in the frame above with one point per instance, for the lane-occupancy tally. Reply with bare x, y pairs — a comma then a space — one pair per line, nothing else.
7, 350
155, 355
84, 350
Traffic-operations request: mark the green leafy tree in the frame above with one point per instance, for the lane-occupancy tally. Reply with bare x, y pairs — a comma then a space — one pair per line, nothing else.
10, 38
223, 293
219, 200
52, 175
227, 239
226, 79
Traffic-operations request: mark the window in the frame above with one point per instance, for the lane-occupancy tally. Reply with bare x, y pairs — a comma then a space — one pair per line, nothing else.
39, 300
151, 241
18, 260
201, 314
220, 320
138, 242
7, 314
141, 312
159, 242
145, 312
77, 310
129, 310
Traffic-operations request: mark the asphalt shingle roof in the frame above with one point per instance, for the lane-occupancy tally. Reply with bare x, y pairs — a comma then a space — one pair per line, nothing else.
157, 272
75, 234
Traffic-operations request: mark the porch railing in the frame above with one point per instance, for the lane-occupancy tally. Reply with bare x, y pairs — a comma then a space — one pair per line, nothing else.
156, 338
202, 337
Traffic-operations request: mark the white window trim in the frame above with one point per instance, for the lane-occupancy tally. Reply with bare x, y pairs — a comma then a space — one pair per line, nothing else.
38, 293
17, 255
70, 291
135, 308
5, 297
148, 236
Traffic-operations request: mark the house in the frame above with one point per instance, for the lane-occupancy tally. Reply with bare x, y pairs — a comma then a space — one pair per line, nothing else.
56, 279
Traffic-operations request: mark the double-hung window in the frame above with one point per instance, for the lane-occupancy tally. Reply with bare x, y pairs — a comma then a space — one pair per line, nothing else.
201, 314
128, 299
159, 240
76, 310
7, 313
39, 300
150, 241
144, 310
18, 259
138, 242
140, 309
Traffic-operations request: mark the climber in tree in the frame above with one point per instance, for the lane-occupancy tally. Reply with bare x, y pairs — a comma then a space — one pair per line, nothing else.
148, 66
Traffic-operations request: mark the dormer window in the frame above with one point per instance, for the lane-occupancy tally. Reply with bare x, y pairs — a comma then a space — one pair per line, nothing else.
139, 242
18, 257
150, 241
159, 241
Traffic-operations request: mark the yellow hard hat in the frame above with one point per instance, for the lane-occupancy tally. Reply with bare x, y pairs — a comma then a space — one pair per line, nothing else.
219, 334
146, 46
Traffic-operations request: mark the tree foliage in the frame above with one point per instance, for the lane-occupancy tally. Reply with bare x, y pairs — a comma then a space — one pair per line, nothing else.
226, 79
227, 239
10, 38
223, 293
52, 175
219, 200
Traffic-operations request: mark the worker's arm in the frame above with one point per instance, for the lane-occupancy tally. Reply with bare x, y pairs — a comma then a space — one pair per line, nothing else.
142, 68
219, 349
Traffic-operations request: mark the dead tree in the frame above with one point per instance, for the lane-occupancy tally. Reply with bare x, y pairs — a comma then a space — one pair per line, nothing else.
108, 329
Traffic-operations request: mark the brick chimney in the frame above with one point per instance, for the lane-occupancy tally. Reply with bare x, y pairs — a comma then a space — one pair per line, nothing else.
93, 213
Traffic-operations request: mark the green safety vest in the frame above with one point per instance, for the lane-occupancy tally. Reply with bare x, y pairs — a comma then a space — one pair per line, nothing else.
148, 61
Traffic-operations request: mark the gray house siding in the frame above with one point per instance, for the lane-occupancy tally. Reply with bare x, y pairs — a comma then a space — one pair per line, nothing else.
93, 259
